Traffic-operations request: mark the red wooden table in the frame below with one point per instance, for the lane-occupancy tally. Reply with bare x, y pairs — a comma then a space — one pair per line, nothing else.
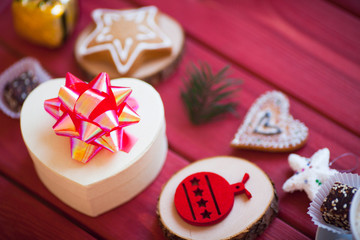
310, 50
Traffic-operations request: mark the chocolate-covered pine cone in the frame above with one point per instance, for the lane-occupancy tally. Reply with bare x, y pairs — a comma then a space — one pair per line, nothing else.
336, 206
18, 89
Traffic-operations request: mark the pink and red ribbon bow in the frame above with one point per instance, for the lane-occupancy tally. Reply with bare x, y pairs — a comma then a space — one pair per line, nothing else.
93, 115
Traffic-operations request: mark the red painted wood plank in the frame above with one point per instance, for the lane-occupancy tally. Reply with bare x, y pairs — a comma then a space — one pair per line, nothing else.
197, 142
20, 168
280, 230
205, 141
319, 56
6, 59
301, 47
4, 5
183, 134
23, 217
352, 6
135, 219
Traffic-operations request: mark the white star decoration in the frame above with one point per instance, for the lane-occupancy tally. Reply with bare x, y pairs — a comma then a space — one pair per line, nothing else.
310, 173
126, 34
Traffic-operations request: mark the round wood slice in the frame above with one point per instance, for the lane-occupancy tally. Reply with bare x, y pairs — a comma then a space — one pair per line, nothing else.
151, 71
248, 217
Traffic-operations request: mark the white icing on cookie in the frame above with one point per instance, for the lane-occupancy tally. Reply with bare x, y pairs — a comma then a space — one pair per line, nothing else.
310, 173
125, 34
269, 125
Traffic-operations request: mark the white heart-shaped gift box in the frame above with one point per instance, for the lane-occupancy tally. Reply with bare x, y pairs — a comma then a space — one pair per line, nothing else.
109, 179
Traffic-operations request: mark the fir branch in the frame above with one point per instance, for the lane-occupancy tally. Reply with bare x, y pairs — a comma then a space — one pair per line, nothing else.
207, 95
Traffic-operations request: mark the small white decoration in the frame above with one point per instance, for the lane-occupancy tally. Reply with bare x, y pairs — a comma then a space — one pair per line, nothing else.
310, 173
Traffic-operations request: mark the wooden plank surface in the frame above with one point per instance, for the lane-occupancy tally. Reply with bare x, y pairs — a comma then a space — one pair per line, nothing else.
298, 47
139, 213
197, 142
352, 6
24, 217
269, 47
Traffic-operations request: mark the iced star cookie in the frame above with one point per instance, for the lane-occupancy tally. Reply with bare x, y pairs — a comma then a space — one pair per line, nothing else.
133, 43
268, 126
310, 173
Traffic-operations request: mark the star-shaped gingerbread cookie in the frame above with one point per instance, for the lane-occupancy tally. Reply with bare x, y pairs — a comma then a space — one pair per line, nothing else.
125, 38
310, 173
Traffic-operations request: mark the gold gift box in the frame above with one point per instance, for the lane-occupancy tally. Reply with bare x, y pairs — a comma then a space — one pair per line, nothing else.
44, 22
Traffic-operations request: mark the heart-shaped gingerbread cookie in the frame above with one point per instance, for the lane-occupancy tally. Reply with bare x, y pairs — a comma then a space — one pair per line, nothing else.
268, 126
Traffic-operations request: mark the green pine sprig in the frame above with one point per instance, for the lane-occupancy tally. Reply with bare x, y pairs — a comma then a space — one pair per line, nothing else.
207, 95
